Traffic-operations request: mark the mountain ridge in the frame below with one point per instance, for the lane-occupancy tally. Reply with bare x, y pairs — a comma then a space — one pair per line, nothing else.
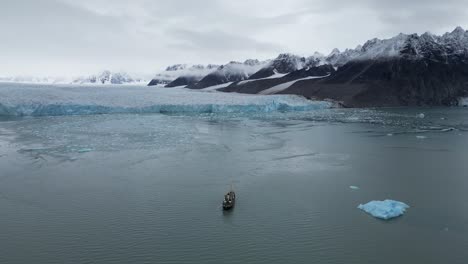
408, 69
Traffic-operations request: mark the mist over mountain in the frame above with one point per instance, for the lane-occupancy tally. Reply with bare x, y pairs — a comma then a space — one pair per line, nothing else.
231, 72
182, 74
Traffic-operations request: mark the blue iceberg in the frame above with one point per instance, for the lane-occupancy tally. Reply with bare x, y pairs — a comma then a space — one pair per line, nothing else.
386, 209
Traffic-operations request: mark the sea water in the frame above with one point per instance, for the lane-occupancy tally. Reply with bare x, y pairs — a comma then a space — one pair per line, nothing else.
147, 187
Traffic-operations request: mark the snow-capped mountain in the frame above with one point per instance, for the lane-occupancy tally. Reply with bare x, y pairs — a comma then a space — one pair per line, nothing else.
408, 69
182, 74
338, 58
231, 72
412, 46
37, 79
28, 79
108, 77
284, 63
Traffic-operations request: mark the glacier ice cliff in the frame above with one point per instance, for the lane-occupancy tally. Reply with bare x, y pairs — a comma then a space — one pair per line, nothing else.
56, 100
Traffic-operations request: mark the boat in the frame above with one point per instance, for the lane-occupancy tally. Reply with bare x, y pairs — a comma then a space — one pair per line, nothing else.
229, 200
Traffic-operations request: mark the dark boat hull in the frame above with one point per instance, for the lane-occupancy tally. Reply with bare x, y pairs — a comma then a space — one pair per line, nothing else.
228, 204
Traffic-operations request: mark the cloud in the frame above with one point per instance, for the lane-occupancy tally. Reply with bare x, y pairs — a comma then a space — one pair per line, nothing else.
70, 37
218, 41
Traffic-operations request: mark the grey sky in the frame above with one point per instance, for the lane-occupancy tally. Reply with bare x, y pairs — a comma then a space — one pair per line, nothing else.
70, 37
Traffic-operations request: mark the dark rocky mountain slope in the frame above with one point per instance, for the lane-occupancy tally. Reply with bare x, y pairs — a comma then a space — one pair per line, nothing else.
390, 82
413, 70
256, 86
231, 72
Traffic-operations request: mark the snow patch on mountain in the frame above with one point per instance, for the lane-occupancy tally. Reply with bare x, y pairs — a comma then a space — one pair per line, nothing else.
274, 76
216, 87
286, 85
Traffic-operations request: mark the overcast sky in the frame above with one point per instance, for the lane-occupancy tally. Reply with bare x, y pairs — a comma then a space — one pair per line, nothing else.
70, 37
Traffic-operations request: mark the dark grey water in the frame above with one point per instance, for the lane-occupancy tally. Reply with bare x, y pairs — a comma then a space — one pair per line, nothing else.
148, 188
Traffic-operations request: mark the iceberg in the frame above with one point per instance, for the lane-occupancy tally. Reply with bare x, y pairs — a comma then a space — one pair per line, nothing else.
386, 209
57, 100
84, 150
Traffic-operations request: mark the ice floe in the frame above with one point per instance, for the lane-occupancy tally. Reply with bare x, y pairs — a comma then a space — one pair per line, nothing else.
386, 209
84, 150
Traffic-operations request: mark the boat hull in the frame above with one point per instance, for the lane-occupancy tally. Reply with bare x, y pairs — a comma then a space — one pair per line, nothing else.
229, 201
228, 207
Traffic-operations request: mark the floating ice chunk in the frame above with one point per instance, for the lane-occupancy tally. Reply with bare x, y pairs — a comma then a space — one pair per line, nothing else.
84, 150
448, 129
386, 209
354, 187
421, 137
389, 135
421, 115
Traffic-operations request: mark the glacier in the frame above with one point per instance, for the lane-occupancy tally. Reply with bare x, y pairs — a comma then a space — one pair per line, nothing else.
385, 210
57, 100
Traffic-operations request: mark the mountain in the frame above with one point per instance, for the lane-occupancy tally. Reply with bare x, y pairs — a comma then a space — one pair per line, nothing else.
231, 72
29, 79
182, 75
253, 86
284, 63
108, 77
168, 75
408, 69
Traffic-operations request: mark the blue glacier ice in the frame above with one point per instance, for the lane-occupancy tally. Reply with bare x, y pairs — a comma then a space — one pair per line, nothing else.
386, 209
56, 100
